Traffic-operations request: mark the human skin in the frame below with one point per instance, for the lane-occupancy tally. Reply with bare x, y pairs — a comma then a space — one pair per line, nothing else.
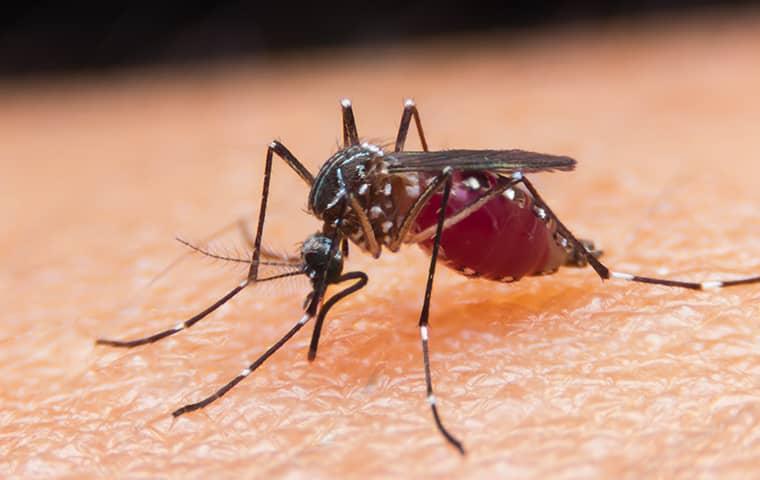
563, 376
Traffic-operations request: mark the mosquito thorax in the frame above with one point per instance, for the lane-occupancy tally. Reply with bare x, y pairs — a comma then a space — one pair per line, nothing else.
359, 175
315, 254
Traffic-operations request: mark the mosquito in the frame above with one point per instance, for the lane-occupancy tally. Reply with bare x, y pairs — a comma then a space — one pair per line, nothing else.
474, 211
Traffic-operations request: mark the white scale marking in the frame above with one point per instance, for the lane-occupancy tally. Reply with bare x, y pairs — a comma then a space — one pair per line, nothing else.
304, 319
363, 188
375, 212
245, 372
409, 102
621, 276
711, 285
517, 176
431, 399
387, 189
424, 333
345, 102
509, 193
387, 226
180, 326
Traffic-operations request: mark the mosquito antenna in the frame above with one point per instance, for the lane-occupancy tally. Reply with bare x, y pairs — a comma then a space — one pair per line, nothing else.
192, 321
362, 279
227, 258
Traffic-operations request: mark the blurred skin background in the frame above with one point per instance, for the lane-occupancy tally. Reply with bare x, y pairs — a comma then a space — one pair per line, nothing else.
121, 126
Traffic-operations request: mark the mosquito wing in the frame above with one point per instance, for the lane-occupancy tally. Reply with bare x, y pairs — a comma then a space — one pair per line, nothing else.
501, 161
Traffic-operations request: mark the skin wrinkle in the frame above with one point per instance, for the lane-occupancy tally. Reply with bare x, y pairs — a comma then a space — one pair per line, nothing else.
560, 376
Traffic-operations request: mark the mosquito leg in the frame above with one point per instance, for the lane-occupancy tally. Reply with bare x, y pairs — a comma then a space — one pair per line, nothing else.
452, 219
247, 371
424, 314
190, 322
362, 279
410, 110
314, 303
303, 172
605, 273
406, 225
350, 135
274, 148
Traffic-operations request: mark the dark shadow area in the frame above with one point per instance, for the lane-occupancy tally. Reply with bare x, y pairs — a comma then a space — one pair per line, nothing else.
56, 37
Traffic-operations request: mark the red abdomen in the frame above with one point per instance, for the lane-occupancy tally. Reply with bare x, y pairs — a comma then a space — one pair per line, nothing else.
507, 238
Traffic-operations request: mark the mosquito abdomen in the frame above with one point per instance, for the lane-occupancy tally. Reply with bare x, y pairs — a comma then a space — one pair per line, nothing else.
504, 240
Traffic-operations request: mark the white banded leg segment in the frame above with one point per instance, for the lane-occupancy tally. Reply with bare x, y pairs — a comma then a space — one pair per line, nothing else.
622, 276
709, 285
424, 333
180, 326
304, 319
245, 372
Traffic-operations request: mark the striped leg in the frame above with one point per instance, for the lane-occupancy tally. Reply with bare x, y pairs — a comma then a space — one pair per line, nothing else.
424, 321
605, 273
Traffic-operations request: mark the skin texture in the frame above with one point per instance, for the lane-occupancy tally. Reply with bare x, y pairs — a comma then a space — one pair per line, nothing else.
559, 376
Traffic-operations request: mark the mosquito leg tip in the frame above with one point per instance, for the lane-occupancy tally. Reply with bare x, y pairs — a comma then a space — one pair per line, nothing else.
458, 445
312, 355
181, 411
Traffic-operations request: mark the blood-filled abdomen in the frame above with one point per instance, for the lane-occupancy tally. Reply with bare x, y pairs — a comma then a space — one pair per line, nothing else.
505, 239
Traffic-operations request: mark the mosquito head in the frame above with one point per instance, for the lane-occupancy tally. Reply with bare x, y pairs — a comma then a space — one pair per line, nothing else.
315, 254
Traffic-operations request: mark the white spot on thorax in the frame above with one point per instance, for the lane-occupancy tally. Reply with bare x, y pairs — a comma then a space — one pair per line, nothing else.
509, 193
375, 212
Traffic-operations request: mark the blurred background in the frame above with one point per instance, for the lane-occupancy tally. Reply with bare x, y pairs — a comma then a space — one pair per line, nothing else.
57, 37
